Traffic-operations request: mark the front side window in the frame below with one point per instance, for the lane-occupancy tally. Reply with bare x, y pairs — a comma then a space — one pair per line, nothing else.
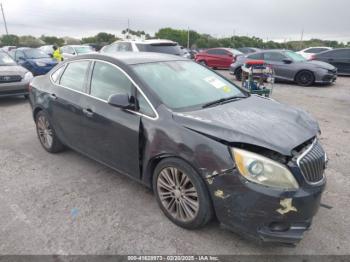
74, 76
182, 85
19, 55
294, 56
108, 80
143, 105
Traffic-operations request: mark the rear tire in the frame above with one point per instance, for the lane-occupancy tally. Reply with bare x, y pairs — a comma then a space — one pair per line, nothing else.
305, 78
46, 133
181, 194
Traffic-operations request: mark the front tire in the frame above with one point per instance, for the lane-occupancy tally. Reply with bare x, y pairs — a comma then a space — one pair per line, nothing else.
182, 194
305, 78
46, 133
238, 74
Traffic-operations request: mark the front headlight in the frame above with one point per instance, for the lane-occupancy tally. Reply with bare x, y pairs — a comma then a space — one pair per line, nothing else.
28, 76
40, 63
264, 171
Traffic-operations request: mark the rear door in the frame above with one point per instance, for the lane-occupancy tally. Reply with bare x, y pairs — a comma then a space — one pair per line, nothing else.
111, 134
66, 99
282, 70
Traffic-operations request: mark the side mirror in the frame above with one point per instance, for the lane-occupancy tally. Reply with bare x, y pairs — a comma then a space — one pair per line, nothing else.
287, 61
121, 101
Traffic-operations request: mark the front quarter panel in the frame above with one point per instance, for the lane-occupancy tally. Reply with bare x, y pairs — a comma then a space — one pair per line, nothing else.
166, 138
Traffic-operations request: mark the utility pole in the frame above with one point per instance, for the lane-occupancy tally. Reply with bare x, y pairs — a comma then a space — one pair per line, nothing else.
301, 39
188, 37
127, 31
3, 16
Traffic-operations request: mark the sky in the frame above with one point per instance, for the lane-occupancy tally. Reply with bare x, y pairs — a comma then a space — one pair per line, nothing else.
279, 20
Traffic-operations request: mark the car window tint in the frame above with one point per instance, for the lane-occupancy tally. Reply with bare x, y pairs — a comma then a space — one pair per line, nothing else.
315, 50
274, 56
74, 75
108, 80
257, 56
56, 74
144, 106
217, 52
340, 53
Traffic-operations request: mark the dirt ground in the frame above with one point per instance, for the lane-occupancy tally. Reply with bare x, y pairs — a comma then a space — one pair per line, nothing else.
69, 204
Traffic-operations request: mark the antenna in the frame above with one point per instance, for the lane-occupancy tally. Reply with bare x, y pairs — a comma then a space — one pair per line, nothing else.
3, 16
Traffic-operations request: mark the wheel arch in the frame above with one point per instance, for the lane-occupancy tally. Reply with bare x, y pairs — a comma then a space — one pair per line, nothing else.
303, 70
36, 110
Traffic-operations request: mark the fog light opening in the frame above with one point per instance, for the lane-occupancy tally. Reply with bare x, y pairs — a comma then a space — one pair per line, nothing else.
279, 226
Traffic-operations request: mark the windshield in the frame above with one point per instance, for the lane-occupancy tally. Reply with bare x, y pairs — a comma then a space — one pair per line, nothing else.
35, 53
6, 60
172, 49
294, 56
183, 85
83, 49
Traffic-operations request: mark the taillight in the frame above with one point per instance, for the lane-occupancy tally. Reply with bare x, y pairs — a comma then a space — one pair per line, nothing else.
312, 57
30, 87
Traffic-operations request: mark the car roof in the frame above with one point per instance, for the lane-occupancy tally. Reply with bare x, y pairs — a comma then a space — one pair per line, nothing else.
132, 58
148, 41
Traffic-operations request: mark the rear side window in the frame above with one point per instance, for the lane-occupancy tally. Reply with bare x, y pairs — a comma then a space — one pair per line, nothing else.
108, 80
56, 74
315, 50
274, 56
74, 76
258, 56
165, 48
217, 52
341, 53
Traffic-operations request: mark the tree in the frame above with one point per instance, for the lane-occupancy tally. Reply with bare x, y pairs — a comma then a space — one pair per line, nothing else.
30, 41
9, 40
52, 40
101, 38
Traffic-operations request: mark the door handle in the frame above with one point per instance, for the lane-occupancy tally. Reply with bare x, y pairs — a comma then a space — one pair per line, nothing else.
88, 112
53, 96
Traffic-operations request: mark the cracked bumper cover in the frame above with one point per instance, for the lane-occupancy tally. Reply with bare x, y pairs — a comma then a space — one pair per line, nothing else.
257, 211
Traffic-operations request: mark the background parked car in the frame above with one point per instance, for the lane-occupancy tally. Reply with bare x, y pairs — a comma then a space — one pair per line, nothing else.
248, 50
218, 57
153, 45
340, 58
33, 59
308, 52
69, 51
8, 48
290, 66
14, 79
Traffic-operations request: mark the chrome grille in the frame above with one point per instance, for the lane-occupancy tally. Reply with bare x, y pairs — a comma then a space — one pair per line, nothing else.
10, 78
312, 163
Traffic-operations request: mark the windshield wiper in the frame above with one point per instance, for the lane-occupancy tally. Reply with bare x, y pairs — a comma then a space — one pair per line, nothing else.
222, 101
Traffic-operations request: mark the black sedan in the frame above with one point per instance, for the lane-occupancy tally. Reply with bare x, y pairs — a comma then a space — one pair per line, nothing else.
290, 66
14, 79
203, 145
340, 58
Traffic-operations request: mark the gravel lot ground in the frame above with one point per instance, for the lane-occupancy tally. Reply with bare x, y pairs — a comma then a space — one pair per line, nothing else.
69, 204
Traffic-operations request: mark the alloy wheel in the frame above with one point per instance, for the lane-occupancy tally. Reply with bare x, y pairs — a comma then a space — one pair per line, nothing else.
44, 131
178, 195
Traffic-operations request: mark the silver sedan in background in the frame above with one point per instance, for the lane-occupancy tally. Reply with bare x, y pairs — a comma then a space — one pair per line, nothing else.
290, 66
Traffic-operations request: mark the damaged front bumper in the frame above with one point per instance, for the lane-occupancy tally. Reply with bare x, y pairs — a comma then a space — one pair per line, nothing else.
263, 213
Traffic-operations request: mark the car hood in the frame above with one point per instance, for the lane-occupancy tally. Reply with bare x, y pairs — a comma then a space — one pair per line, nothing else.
12, 70
47, 61
254, 120
321, 64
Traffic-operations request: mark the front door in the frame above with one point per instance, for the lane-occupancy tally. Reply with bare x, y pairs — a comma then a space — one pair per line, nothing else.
282, 70
111, 134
